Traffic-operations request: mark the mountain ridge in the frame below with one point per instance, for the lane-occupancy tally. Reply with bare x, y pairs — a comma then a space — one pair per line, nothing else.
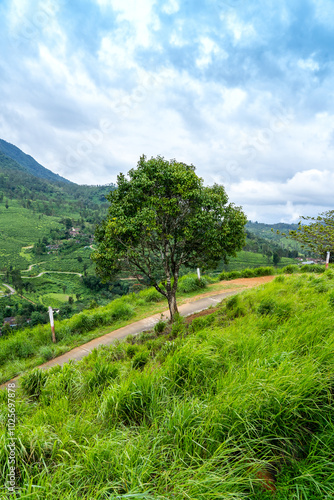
29, 164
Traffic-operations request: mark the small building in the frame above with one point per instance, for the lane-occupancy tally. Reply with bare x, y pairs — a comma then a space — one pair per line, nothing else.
10, 321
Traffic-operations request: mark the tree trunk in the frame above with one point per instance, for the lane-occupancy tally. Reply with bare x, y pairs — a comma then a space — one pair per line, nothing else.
172, 305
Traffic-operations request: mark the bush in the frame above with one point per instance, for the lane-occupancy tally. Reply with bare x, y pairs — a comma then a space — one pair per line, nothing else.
140, 360
264, 271
290, 269
191, 283
248, 273
46, 352
234, 307
33, 383
132, 402
151, 295
160, 326
313, 268
132, 350
267, 306
121, 310
234, 275
102, 375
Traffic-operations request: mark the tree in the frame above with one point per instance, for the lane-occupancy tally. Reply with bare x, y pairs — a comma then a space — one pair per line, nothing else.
276, 258
162, 218
318, 234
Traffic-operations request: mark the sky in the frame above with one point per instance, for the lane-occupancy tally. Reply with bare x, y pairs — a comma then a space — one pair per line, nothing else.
242, 90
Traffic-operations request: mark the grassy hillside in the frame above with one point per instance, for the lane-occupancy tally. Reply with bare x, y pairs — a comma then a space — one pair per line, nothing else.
235, 405
245, 260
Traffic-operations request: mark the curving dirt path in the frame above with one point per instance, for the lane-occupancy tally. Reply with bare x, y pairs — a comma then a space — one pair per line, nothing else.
189, 306
51, 272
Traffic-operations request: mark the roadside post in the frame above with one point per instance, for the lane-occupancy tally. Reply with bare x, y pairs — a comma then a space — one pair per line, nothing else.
327, 259
198, 273
52, 325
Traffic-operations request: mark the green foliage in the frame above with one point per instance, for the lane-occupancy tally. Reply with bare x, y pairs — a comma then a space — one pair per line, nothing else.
290, 269
312, 268
162, 218
140, 359
247, 273
150, 295
317, 233
32, 383
205, 417
191, 283
160, 326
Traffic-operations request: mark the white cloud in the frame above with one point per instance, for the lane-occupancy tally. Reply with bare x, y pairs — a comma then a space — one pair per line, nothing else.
139, 13
208, 48
304, 187
242, 32
308, 64
171, 7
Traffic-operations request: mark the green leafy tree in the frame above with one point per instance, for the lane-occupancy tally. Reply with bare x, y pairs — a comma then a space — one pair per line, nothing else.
317, 233
161, 218
276, 258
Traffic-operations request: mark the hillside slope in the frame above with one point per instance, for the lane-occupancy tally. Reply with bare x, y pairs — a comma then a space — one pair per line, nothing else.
237, 405
29, 163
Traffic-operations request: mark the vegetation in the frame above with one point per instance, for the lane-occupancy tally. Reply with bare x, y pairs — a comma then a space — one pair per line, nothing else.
236, 405
317, 235
163, 218
25, 348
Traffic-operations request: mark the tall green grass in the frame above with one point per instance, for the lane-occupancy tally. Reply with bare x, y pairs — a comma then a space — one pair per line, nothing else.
239, 394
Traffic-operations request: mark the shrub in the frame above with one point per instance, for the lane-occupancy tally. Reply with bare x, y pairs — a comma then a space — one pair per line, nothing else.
178, 327
151, 295
264, 271
267, 306
46, 352
235, 308
102, 374
132, 402
33, 383
201, 322
121, 310
234, 274
312, 268
290, 269
191, 283
160, 326
132, 350
248, 273
140, 359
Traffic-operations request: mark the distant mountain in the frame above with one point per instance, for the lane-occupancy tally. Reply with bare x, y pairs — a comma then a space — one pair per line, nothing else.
29, 163
263, 230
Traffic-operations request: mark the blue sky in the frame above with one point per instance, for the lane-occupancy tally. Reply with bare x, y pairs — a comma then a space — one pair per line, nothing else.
242, 90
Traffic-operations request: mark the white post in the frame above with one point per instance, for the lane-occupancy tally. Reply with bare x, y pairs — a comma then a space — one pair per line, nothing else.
327, 259
52, 325
198, 273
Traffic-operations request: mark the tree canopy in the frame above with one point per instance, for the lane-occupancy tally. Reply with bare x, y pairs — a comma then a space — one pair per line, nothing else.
162, 217
318, 234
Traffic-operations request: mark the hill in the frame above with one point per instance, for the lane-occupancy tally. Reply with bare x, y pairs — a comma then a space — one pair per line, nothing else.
28, 163
238, 404
47, 225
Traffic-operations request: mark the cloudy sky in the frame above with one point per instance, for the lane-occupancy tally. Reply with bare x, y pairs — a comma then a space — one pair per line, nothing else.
242, 90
